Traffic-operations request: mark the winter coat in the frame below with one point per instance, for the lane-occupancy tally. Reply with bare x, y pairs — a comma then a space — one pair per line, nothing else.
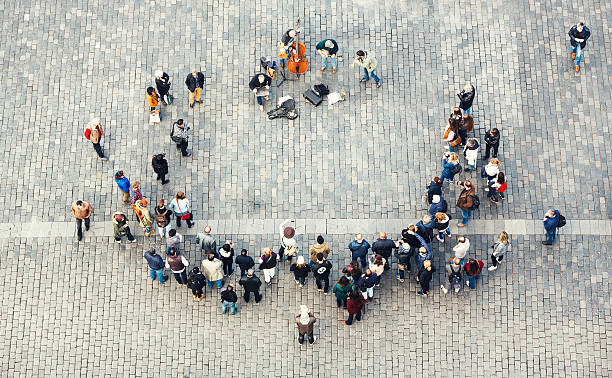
229, 296
480, 266
383, 247
433, 189
160, 166
425, 275
123, 184
318, 248
163, 84
300, 271
492, 140
93, 132
471, 153
153, 99
206, 241
254, 83
213, 270
465, 201
120, 229
404, 256
305, 328
551, 223
331, 50
250, 284
447, 168
574, 33
355, 305
179, 207
190, 81
420, 259
342, 292
143, 214
245, 262
366, 282
444, 224
500, 249
163, 216
425, 230
321, 269
155, 261
466, 98
225, 255
266, 262
359, 249
461, 248
196, 281
440, 207
368, 62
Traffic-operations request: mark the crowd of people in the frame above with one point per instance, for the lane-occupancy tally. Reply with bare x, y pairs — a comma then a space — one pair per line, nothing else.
355, 287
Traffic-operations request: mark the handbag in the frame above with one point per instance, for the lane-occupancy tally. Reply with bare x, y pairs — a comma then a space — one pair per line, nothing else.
455, 142
154, 117
185, 216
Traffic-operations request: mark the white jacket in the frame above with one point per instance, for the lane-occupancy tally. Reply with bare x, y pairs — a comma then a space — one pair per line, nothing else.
461, 248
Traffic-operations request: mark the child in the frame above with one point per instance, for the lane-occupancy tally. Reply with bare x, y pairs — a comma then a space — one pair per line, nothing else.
470, 151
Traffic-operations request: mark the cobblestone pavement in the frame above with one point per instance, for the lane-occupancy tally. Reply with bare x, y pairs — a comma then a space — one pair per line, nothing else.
90, 308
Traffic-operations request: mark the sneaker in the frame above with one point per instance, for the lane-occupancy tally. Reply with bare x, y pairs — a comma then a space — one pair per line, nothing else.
492, 268
378, 84
460, 224
261, 107
191, 105
467, 283
118, 241
314, 340
486, 189
322, 69
103, 158
457, 290
363, 80
297, 282
334, 70
320, 290
493, 200
195, 296
441, 240
573, 56
444, 290
399, 279
421, 294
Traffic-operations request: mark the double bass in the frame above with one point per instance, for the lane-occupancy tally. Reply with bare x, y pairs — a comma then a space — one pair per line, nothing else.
297, 63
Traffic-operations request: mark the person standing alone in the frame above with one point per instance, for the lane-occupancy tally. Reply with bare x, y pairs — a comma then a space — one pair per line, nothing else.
195, 84
578, 36
305, 321
124, 186
93, 133
82, 212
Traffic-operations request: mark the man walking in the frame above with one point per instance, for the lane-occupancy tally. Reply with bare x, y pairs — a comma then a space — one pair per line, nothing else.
93, 133
156, 265
368, 63
180, 136
82, 212
251, 284
208, 244
213, 271
551, 220
124, 186
384, 247
245, 262
305, 321
320, 271
121, 228
578, 36
195, 83
359, 250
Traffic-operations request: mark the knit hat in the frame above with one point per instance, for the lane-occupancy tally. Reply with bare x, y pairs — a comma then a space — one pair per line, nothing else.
159, 73
329, 44
319, 256
250, 273
304, 316
320, 239
300, 260
435, 198
288, 232
226, 247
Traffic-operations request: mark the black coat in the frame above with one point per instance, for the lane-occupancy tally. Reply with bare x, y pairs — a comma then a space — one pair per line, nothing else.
466, 98
268, 262
163, 84
300, 271
250, 284
191, 82
160, 166
433, 189
321, 270
412, 240
492, 140
245, 262
254, 83
573, 33
229, 296
383, 247
196, 281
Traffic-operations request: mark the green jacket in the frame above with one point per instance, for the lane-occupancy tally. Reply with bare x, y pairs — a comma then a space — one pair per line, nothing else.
120, 229
368, 62
342, 292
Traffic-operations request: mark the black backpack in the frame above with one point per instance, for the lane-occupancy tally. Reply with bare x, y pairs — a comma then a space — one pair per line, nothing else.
455, 277
475, 202
175, 139
562, 221
456, 169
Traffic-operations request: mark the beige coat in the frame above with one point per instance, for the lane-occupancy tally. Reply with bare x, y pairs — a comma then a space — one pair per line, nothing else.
318, 248
213, 270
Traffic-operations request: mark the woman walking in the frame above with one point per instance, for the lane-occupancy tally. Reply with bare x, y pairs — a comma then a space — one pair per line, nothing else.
473, 268
499, 250
182, 211
143, 213
443, 226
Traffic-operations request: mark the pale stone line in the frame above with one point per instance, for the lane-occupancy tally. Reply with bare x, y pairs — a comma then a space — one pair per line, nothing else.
602, 227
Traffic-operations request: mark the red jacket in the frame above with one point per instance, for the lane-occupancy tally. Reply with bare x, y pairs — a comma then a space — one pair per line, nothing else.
88, 131
354, 305
480, 266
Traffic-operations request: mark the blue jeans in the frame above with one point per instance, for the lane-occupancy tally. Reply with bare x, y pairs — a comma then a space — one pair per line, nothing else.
578, 51
259, 100
469, 111
333, 61
366, 75
231, 305
362, 259
445, 176
472, 281
447, 232
450, 148
219, 283
551, 235
157, 274
466, 216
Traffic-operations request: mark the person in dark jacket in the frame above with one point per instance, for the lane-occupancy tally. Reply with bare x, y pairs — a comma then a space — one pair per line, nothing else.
260, 82
578, 36
450, 161
415, 241
466, 98
473, 268
354, 305
424, 277
551, 220
251, 284
228, 299
443, 226
353, 272
404, 253
491, 142
320, 270
195, 84
434, 188
300, 271
196, 282
162, 82
366, 284
384, 247
226, 255
438, 205
245, 262
160, 167
465, 201
305, 321
359, 250
328, 48
156, 265
425, 228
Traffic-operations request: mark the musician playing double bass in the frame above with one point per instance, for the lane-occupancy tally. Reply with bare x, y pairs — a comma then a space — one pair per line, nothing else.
328, 48
288, 45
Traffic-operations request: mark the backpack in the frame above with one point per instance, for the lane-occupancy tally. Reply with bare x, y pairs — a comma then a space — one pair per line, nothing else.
455, 277
475, 202
562, 221
456, 169
321, 89
175, 139
160, 219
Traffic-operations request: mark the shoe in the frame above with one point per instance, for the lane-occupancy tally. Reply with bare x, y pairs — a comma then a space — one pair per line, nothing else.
314, 340
457, 290
344, 322
492, 268
334, 70
545, 243
297, 282
195, 296
322, 69
103, 158
79, 238
573, 56
577, 68
444, 290
493, 200
261, 107
200, 102
467, 284
165, 182
191, 105
460, 224
399, 279
187, 155
421, 294
439, 239
118, 241
363, 80
200, 298
486, 189
378, 84
320, 290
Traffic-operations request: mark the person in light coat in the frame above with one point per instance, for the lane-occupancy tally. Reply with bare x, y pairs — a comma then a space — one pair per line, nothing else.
213, 270
462, 247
